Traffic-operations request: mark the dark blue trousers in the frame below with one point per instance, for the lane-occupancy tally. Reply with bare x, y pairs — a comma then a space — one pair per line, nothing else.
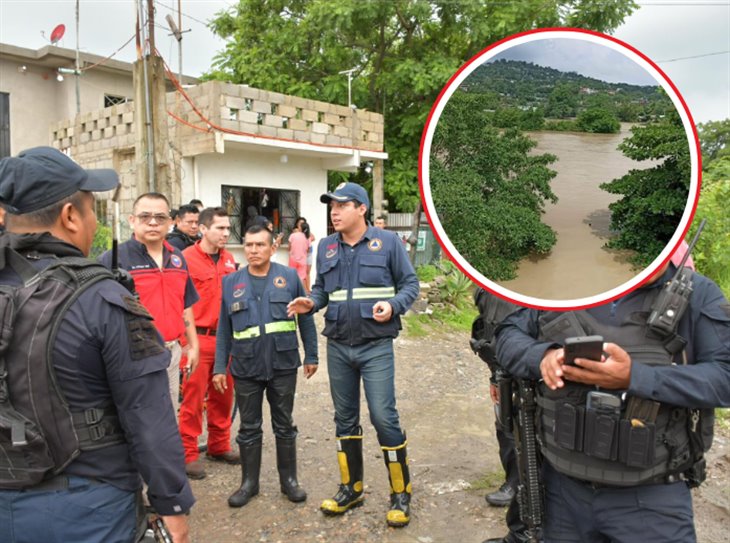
85, 512
577, 512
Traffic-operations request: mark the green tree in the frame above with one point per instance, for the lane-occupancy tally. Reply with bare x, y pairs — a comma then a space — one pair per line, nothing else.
712, 252
488, 190
714, 141
562, 102
403, 53
598, 120
653, 199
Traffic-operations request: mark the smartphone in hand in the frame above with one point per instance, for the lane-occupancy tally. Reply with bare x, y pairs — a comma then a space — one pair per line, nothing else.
590, 347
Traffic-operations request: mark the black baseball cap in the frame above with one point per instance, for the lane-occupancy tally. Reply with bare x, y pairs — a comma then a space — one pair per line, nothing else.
42, 176
345, 192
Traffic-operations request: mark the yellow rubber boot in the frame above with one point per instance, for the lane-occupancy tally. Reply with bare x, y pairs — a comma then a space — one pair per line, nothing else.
396, 460
349, 495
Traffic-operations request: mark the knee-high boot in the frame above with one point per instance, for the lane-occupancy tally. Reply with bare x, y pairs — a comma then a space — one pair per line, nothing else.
286, 462
349, 457
396, 461
250, 469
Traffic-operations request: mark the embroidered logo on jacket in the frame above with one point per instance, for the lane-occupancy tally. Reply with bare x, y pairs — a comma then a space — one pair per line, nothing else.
176, 261
375, 244
279, 281
331, 250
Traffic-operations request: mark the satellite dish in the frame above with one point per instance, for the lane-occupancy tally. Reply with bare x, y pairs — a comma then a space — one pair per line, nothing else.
57, 34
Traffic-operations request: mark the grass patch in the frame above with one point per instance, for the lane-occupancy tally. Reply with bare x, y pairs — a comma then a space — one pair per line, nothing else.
417, 326
449, 319
427, 272
489, 481
722, 418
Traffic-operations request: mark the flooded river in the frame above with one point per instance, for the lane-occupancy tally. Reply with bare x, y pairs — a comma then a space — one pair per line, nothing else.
579, 265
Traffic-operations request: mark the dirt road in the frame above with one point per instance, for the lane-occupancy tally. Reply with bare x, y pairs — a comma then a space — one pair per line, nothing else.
444, 405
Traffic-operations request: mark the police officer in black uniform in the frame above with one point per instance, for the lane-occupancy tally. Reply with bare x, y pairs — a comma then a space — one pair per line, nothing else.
623, 438
106, 357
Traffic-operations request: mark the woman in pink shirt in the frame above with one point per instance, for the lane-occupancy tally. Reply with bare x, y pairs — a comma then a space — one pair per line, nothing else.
298, 248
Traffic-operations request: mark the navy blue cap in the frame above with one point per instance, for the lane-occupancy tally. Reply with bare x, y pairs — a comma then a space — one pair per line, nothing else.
42, 176
346, 192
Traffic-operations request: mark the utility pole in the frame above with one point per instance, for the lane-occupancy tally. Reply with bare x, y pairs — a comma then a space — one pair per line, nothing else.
150, 109
78, 63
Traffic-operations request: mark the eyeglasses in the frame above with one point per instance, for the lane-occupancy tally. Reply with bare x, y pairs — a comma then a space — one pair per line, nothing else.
146, 218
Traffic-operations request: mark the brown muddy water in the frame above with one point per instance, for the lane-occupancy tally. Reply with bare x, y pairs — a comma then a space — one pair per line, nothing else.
578, 265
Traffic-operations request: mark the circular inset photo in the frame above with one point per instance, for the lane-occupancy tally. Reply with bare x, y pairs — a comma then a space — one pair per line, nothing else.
559, 168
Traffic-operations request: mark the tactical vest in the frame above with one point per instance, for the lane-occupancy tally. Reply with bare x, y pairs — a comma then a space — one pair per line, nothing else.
656, 443
492, 311
39, 434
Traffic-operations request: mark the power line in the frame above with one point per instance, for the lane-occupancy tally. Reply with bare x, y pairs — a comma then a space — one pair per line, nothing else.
693, 56
174, 10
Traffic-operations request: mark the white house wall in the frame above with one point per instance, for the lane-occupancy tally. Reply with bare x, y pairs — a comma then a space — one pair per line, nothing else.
38, 99
251, 169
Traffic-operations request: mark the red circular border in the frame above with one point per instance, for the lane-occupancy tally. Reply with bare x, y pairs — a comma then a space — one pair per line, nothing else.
542, 31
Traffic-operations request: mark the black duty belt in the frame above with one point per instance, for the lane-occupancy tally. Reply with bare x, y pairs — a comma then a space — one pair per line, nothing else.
666, 479
205, 331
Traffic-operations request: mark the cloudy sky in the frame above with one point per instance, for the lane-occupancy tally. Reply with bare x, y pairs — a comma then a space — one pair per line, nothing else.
580, 56
689, 40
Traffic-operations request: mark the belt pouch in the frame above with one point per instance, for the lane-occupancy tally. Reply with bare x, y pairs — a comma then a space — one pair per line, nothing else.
599, 439
636, 444
568, 431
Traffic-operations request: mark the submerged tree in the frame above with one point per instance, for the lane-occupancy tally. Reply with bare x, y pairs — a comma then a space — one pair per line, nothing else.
488, 190
598, 120
653, 199
402, 52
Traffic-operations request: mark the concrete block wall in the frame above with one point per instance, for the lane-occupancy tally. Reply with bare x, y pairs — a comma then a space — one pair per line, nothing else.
263, 113
106, 129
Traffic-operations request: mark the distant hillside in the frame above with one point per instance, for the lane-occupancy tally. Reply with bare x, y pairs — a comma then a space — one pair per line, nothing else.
524, 85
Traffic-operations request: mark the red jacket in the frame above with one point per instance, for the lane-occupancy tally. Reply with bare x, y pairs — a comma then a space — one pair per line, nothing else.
207, 277
164, 292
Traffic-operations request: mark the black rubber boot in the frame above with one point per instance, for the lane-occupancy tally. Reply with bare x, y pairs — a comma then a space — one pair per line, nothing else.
396, 460
286, 462
349, 457
250, 469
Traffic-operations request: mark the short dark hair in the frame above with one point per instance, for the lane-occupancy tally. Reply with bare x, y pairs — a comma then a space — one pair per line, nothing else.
256, 229
380, 217
45, 216
187, 209
151, 196
209, 213
195, 202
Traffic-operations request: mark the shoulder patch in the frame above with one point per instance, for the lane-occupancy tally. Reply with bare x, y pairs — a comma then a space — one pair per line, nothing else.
134, 306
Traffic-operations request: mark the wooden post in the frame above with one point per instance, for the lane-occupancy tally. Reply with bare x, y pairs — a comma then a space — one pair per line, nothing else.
377, 188
160, 145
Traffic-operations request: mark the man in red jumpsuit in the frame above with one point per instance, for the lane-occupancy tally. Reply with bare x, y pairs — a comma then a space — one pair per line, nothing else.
208, 261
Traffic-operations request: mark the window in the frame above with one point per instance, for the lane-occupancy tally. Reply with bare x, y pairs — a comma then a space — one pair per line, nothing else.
243, 204
112, 100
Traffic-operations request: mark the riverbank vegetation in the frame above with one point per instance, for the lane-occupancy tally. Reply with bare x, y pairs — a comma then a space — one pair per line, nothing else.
488, 190
652, 199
